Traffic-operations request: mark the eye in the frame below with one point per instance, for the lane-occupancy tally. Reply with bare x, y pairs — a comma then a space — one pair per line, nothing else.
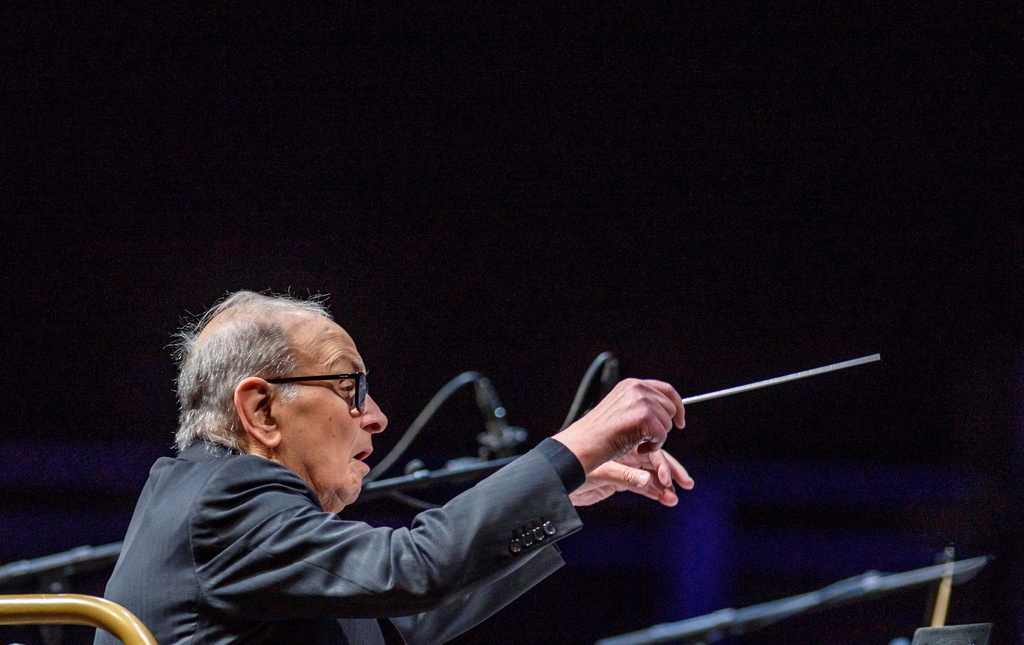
347, 387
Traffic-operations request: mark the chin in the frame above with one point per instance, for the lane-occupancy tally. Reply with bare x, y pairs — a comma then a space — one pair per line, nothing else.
340, 499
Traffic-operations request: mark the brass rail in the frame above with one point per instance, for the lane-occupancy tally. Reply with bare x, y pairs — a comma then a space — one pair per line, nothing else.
74, 609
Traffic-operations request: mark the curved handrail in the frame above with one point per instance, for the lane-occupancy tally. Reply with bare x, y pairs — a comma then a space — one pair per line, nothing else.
74, 609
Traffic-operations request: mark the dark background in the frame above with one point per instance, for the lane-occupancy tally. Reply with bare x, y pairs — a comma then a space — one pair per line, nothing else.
716, 194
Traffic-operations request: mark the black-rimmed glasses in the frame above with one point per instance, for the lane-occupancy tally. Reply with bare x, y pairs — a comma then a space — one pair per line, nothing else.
359, 397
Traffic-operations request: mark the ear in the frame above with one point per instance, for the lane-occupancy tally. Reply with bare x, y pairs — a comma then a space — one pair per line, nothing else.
254, 399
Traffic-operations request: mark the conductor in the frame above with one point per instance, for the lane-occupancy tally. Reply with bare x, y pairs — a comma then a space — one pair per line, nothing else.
242, 537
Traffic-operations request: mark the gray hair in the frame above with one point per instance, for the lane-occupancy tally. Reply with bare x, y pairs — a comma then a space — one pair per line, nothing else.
253, 342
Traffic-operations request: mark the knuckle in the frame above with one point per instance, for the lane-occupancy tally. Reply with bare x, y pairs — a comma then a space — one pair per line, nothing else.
631, 386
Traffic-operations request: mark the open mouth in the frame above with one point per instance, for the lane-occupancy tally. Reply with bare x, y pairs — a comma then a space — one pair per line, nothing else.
363, 455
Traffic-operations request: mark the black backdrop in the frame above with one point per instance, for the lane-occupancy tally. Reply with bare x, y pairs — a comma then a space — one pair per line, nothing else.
716, 194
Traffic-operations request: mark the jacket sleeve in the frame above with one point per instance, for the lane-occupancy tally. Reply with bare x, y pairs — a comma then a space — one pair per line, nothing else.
464, 610
262, 546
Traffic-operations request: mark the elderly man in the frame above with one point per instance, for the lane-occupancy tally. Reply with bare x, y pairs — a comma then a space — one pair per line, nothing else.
238, 539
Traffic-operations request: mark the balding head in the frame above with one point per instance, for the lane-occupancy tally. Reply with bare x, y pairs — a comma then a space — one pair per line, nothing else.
247, 334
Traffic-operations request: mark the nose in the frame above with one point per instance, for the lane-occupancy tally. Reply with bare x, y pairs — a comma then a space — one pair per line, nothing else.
372, 420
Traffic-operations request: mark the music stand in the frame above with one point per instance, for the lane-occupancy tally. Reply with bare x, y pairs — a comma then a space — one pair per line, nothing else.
953, 635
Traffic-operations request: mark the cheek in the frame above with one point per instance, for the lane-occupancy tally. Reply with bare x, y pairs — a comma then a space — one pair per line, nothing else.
340, 439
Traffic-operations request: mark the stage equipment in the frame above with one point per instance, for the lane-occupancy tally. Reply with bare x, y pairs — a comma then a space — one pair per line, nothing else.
501, 439
420, 421
944, 591
732, 622
455, 471
51, 572
977, 634
605, 365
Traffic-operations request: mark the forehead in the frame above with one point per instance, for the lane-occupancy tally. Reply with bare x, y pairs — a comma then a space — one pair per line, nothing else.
324, 343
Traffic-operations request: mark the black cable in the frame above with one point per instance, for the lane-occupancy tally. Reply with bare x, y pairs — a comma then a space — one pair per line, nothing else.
415, 502
417, 426
576, 409
604, 365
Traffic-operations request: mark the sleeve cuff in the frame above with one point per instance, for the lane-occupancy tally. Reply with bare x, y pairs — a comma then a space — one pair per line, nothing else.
568, 467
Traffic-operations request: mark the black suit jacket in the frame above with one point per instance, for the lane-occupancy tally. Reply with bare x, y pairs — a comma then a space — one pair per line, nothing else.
229, 548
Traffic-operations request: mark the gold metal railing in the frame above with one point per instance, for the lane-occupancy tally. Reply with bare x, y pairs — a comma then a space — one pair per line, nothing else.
74, 609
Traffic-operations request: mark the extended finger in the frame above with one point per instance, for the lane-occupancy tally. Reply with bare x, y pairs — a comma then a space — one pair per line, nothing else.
675, 402
659, 465
679, 474
668, 497
635, 480
656, 426
619, 474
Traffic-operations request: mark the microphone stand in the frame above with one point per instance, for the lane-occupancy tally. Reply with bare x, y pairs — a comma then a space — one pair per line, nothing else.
456, 471
720, 624
54, 570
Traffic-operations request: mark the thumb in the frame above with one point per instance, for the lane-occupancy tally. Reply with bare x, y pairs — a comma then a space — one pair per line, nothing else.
617, 473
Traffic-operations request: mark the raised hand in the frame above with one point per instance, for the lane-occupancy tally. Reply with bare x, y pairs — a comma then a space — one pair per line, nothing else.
637, 415
650, 474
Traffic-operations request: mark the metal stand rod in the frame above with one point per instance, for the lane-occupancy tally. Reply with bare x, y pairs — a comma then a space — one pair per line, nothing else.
730, 622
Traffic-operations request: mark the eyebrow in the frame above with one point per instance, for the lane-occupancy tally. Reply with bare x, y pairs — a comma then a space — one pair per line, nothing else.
357, 364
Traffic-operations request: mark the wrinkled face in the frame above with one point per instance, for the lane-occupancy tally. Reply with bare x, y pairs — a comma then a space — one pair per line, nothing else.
324, 438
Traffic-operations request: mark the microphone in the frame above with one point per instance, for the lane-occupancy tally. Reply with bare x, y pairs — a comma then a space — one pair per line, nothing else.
500, 439
609, 376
